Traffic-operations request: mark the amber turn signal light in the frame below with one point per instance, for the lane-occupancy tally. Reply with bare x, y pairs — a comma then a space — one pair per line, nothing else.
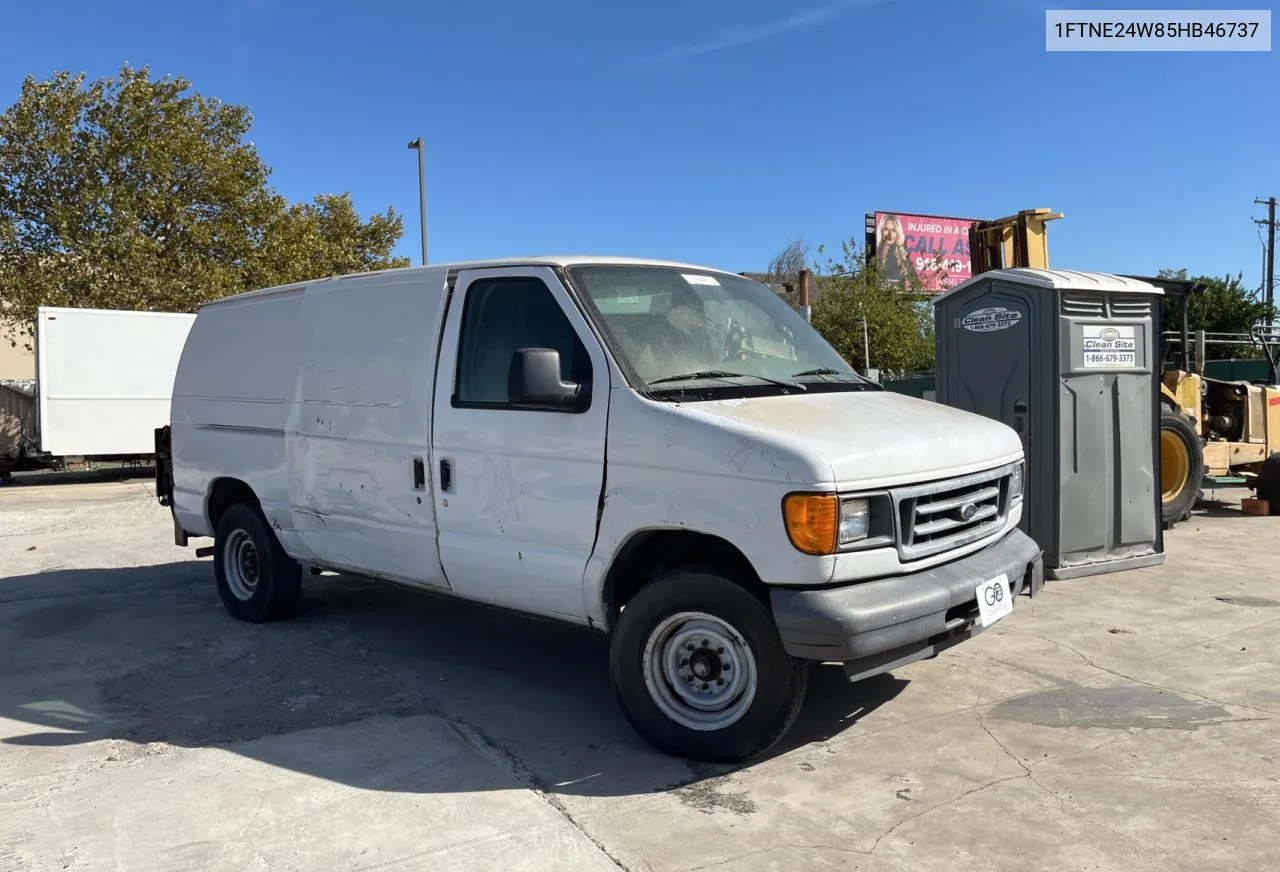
812, 522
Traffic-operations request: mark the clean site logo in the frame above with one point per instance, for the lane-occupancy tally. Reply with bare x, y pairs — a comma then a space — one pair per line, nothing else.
990, 319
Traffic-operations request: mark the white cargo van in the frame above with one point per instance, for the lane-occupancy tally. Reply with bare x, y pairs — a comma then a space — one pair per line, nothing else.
663, 452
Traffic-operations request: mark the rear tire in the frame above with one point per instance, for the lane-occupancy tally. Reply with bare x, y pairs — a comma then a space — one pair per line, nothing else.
1267, 486
257, 581
700, 671
1181, 467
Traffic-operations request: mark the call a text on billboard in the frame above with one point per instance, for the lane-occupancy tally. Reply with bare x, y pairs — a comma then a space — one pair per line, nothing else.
934, 249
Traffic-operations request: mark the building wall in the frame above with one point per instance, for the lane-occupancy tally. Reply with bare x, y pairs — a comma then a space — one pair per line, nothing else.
16, 362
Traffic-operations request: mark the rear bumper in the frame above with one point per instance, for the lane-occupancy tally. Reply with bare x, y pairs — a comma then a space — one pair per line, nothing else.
874, 626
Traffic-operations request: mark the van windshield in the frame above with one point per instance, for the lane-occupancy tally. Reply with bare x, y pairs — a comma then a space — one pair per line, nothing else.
675, 327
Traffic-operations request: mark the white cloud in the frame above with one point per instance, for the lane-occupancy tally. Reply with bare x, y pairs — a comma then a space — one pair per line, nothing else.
736, 36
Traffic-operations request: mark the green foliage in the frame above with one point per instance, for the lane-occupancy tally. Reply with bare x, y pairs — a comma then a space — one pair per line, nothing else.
1226, 306
899, 315
323, 238
136, 193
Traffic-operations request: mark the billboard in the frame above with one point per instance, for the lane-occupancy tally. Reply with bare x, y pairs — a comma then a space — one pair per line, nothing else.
934, 248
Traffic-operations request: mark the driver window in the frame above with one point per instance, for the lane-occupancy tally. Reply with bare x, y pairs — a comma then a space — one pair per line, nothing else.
500, 317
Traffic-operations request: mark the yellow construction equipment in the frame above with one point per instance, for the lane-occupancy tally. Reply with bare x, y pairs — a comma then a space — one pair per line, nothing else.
1019, 240
1227, 432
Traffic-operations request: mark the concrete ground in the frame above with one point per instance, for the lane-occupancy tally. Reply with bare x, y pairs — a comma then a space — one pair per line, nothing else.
1122, 722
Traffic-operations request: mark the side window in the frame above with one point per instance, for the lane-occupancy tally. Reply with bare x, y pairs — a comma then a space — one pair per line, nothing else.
502, 316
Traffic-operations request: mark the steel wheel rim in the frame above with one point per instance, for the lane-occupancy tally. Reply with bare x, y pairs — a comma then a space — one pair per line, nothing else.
699, 671
240, 565
1175, 465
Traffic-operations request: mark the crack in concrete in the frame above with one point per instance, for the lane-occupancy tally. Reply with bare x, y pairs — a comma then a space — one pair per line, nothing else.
1088, 660
805, 847
1062, 806
931, 809
507, 762
493, 753
1236, 632
1026, 773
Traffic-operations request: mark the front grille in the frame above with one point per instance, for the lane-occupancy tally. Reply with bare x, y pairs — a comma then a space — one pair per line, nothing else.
942, 515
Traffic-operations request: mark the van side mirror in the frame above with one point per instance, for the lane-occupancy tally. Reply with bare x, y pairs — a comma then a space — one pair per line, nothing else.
534, 381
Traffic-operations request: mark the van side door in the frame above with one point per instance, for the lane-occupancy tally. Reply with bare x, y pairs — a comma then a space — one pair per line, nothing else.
517, 484
359, 431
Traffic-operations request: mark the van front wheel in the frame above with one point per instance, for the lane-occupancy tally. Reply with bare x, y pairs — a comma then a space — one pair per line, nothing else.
700, 671
257, 580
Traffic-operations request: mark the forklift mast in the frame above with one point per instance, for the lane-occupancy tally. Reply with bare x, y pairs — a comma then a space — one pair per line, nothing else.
1019, 240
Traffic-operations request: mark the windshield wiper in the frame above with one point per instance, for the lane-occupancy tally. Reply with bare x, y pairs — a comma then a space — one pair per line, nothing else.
690, 376
861, 381
722, 373
822, 370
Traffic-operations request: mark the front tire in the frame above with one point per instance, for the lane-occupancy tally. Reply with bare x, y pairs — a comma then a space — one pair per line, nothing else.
1267, 486
1181, 467
700, 671
257, 580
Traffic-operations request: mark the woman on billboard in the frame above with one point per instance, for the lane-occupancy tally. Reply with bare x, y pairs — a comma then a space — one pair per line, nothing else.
891, 253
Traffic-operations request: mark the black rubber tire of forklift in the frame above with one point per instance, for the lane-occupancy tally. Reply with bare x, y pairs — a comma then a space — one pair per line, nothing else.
1176, 425
1268, 483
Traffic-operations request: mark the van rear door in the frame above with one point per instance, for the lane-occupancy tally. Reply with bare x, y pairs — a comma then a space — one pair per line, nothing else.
517, 488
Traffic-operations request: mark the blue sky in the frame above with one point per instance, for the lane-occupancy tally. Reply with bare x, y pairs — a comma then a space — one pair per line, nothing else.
713, 131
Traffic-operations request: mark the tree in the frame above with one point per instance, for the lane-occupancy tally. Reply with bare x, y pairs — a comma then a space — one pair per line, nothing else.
1225, 306
788, 262
137, 193
899, 316
323, 238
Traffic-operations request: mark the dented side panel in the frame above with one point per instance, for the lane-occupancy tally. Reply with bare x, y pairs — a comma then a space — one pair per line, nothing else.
230, 406
360, 415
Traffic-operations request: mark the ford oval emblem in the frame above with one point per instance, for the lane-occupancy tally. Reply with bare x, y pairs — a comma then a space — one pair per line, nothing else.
967, 511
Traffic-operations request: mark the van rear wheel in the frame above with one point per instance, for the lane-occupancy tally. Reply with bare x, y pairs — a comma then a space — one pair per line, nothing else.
700, 671
257, 580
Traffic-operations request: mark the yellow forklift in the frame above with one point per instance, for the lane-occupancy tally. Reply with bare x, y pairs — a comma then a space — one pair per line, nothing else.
1019, 240
1217, 431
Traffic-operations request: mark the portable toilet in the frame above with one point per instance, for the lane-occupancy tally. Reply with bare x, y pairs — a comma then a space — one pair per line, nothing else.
1071, 361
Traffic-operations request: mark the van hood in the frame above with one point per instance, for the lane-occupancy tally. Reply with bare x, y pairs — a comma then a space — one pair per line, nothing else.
872, 438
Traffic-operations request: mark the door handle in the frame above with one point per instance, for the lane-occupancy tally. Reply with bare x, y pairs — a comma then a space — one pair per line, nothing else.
446, 475
419, 474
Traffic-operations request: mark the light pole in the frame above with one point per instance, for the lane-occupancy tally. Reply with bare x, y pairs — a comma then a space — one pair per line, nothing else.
416, 145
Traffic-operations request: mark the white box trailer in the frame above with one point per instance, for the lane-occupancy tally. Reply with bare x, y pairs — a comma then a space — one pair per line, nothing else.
104, 378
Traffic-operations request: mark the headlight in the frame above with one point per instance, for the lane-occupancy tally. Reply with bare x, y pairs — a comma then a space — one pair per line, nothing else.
855, 520
823, 523
812, 521
1015, 482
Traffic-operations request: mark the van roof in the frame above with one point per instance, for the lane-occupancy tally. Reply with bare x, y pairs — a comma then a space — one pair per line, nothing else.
535, 260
